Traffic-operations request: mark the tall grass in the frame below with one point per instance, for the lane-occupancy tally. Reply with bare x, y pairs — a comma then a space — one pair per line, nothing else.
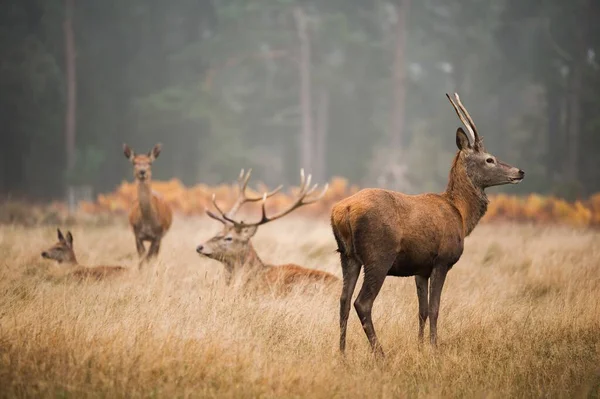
520, 317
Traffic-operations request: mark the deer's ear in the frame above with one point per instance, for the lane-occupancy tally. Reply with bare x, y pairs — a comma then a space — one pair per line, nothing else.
128, 152
462, 140
61, 238
248, 232
155, 152
69, 239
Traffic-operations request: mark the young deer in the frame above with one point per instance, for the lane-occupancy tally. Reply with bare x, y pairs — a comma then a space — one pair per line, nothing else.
62, 252
150, 216
233, 248
393, 234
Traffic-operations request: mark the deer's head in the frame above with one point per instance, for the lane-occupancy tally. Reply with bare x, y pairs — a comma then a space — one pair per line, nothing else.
232, 243
62, 251
483, 168
142, 163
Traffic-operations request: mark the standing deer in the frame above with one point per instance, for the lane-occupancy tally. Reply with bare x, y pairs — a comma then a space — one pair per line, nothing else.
62, 252
150, 216
394, 234
233, 248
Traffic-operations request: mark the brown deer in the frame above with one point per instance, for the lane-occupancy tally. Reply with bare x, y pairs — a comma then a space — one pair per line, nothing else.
393, 234
150, 217
233, 248
62, 252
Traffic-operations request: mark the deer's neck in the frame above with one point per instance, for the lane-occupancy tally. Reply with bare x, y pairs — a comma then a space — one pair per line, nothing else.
72, 261
471, 201
145, 200
248, 259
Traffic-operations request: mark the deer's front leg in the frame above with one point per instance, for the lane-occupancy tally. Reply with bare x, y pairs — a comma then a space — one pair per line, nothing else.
438, 276
139, 244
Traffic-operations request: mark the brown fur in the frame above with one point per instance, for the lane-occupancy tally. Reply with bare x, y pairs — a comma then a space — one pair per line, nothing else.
63, 253
291, 274
233, 248
394, 234
150, 216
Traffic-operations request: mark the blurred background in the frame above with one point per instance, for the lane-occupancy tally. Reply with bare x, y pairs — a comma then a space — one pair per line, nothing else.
348, 88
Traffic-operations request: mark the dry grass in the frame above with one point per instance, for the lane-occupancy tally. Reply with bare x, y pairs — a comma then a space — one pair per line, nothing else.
520, 318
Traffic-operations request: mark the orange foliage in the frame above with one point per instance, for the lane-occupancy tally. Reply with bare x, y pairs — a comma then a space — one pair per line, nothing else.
195, 200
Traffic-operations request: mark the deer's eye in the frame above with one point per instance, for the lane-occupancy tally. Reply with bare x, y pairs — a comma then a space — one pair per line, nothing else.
228, 238
490, 160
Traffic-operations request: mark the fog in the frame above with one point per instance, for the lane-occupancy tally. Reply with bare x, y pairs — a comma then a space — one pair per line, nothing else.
341, 88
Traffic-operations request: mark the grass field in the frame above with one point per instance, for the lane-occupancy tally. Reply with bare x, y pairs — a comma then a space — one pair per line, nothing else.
520, 317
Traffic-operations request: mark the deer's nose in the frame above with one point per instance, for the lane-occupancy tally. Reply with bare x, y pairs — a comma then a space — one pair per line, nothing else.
142, 172
44, 254
199, 248
521, 173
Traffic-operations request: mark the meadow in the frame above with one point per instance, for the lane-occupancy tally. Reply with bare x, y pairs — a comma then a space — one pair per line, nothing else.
520, 317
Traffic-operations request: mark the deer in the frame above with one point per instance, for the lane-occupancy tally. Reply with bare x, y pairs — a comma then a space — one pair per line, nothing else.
232, 246
150, 216
62, 252
388, 233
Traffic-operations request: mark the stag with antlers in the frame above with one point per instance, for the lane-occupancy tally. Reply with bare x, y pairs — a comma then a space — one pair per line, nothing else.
232, 245
393, 234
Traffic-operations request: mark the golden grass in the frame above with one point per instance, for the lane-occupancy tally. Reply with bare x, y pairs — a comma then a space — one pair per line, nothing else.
520, 317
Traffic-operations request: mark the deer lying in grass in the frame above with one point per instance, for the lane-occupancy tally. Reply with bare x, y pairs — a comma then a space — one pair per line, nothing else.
393, 234
150, 217
233, 248
62, 252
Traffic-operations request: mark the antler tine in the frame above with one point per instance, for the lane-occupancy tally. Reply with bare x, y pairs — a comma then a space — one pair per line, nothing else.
242, 197
468, 116
318, 197
214, 201
300, 201
212, 215
463, 119
243, 179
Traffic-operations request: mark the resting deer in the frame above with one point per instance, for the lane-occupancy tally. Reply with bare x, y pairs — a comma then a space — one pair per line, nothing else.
150, 217
62, 252
233, 248
393, 234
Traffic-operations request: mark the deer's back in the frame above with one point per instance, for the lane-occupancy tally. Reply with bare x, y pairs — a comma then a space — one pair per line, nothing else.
98, 272
375, 224
163, 211
291, 274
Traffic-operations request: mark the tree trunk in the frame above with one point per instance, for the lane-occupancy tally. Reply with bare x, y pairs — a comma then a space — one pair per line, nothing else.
322, 125
70, 117
554, 136
574, 100
307, 136
397, 117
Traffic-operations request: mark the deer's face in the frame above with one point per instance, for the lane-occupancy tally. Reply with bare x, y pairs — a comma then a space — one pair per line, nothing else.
62, 251
486, 170
230, 244
483, 168
142, 163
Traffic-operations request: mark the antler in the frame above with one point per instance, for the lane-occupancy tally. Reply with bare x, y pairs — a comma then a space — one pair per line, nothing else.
242, 182
466, 119
305, 190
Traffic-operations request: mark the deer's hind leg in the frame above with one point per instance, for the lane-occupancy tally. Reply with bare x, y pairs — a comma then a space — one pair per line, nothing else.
375, 274
350, 271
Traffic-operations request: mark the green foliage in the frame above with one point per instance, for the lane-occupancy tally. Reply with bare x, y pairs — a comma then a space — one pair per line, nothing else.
218, 84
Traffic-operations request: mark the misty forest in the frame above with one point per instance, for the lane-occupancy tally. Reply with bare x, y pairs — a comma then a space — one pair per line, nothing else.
134, 265
342, 88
